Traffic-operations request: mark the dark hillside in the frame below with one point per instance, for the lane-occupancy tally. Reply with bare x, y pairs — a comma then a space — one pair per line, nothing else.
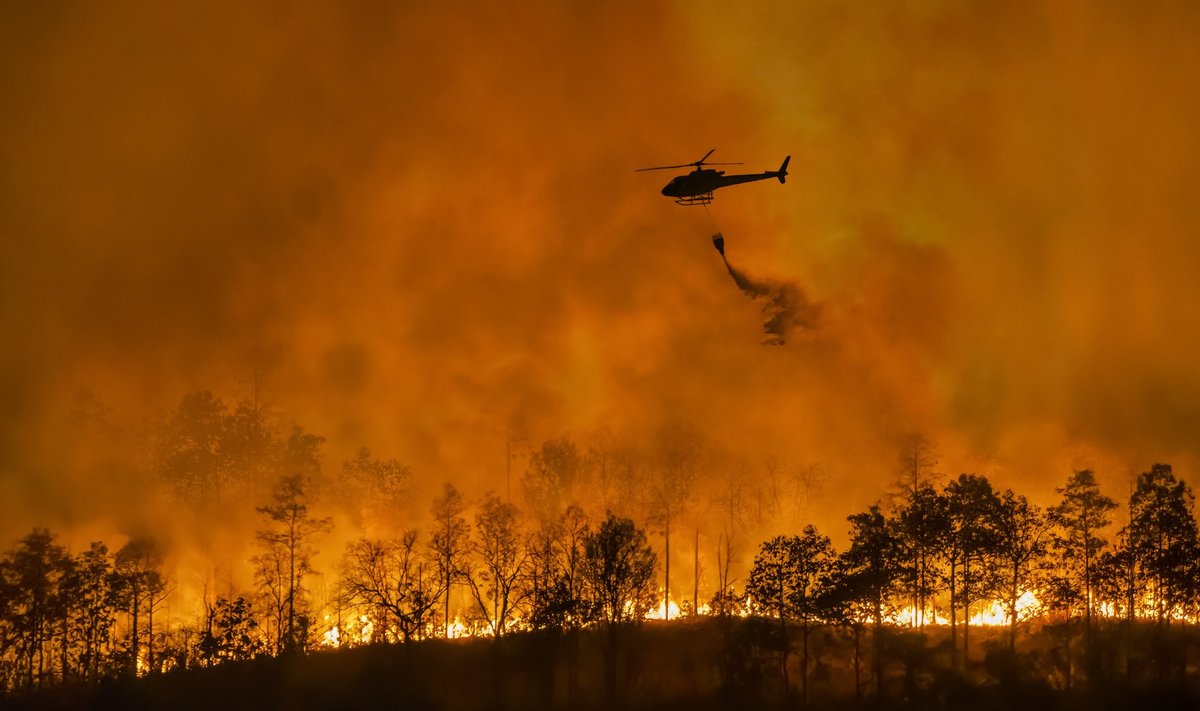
693, 665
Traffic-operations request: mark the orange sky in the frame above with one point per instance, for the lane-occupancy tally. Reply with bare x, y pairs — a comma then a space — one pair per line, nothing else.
422, 220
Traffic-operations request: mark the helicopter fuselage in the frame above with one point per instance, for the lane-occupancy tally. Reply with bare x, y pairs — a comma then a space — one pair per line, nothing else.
699, 182
696, 188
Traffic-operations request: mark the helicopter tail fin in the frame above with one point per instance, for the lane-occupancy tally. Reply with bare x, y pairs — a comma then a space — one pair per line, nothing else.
783, 170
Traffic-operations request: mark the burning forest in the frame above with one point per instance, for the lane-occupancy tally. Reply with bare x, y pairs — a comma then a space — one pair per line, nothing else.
348, 353
584, 545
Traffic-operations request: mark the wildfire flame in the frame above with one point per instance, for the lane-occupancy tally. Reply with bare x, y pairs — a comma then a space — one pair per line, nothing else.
660, 612
991, 614
457, 630
356, 631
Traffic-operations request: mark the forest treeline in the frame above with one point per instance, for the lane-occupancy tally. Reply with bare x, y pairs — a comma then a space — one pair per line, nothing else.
589, 548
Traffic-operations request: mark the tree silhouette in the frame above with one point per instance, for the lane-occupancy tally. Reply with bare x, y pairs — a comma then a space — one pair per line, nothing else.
92, 595
974, 510
232, 631
33, 574
246, 448
732, 501
868, 573
386, 577
552, 582
449, 543
1078, 520
788, 580
189, 453
678, 456
502, 557
771, 588
287, 558
377, 488
924, 524
1162, 539
554, 478
619, 568
922, 518
1022, 533
137, 566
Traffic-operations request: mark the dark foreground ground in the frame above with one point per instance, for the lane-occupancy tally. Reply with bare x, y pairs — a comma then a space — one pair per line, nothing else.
705, 664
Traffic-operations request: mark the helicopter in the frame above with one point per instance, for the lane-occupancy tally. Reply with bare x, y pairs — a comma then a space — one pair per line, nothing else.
696, 188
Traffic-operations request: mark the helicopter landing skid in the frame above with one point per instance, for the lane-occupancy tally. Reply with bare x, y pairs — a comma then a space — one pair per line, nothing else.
701, 199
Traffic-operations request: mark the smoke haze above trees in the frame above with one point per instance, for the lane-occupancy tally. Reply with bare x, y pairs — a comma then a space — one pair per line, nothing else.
407, 226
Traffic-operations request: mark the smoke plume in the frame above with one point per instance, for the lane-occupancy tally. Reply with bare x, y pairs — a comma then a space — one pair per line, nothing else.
785, 306
335, 209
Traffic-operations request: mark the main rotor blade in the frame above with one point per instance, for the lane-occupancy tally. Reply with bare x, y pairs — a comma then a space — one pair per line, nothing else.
685, 165
666, 167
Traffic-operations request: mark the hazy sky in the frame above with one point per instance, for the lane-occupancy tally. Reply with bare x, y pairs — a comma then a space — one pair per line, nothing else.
422, 220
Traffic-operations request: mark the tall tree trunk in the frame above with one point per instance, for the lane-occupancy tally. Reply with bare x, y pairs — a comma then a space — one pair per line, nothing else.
921, 575
916, 560
784, 645
63, 663
1012, 611
41, 652
1129, 614
291, 621
1087, 586
804, 661
150, 635
667, 570
878, 641
953, 616
696, 576
966, 657
447, 617
857, 664
136, 646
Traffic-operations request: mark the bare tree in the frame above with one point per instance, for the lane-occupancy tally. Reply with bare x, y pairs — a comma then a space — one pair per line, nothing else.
552, 580
287, 557
731, 498
679, 456
554, 478
386, 577
498, 548
137, 567
378, 487
448, 544
921, 518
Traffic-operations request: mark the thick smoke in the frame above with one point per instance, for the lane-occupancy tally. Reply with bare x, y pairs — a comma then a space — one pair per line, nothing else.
785, 306
418, 222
